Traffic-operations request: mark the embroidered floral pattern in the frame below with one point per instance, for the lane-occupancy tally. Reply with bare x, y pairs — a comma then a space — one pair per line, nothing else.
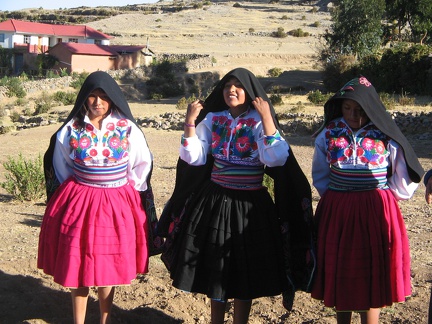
113, 147
238, 142
367, 147
269, 140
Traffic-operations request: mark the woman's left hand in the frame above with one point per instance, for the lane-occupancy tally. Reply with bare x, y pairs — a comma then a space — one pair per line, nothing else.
263, 109
261, 106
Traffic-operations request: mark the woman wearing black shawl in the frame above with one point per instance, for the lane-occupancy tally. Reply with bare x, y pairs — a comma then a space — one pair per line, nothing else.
223, 229
362, 166
97, 168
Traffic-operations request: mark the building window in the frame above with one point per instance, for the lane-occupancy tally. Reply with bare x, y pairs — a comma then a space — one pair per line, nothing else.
26, 39
98, 41
59, 40
73, 40
2, 37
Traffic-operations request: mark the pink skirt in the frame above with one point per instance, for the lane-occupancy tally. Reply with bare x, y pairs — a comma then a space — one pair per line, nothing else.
363, 258
93, 236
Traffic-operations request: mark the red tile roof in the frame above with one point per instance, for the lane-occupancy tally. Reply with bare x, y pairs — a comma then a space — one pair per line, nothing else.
19, 26
88, 49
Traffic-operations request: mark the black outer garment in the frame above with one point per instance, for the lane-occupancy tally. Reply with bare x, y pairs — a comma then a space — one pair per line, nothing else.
368, 98
292, 190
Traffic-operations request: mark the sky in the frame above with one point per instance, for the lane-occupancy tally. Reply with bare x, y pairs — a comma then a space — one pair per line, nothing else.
10, 5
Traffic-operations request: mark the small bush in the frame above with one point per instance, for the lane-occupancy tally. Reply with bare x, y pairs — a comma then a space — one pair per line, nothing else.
15, 116
24, 178
183, 102
44, 103
65, 98
251, 30
276, 99
404, 100
63, 72
297, 108
298, 33
387, 100
14, 87
237, 5
163, 83
21, 102
317, 97
316, 24
78, 79
274, 72
280, 33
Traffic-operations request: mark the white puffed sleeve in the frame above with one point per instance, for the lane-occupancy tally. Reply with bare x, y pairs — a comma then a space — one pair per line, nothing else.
273, 149
320, 165
399, 181
140, 159
194, 150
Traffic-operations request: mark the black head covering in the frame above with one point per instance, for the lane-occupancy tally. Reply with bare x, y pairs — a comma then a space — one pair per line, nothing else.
292, 190
364, 93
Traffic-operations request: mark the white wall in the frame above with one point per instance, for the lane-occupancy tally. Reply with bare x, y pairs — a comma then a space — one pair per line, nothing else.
8, 43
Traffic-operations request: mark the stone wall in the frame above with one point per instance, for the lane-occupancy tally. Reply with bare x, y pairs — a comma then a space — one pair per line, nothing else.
416, 125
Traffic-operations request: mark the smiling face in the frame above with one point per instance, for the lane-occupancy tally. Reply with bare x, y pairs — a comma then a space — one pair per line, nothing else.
98, 104
354, 114
235, 96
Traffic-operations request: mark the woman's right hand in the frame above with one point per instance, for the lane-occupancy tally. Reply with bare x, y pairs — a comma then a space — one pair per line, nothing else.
193, 110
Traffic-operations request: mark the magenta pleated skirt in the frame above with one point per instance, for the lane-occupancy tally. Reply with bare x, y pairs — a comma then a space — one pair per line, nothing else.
93, 237
363, 257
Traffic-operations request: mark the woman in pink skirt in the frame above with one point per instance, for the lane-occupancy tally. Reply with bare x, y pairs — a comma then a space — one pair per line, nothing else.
97, 168
362, 166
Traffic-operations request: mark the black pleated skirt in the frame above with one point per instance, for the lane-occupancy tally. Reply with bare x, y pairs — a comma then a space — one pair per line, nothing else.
228, 245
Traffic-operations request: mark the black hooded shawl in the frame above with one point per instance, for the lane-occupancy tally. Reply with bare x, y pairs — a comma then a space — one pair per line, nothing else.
292, 191
364, 93
101, 80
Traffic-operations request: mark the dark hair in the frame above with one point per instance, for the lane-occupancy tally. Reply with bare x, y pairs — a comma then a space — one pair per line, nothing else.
81, 115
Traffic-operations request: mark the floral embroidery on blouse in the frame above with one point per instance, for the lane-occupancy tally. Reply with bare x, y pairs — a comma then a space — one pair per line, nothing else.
238, 142
367, 147
269, 140
113, 146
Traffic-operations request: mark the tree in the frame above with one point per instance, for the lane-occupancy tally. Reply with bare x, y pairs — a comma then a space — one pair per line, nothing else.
356, 28
420, 20
416, 15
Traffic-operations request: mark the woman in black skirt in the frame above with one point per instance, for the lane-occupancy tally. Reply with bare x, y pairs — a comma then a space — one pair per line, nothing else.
224, 228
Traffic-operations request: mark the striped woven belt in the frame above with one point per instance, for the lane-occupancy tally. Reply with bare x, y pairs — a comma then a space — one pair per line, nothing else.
357, 179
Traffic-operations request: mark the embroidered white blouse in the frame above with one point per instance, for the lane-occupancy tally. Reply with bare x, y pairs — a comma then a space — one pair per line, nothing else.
119, 141
366, 148
239, 140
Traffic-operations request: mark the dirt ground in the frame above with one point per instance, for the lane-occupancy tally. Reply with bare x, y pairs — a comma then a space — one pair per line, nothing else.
29, 296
